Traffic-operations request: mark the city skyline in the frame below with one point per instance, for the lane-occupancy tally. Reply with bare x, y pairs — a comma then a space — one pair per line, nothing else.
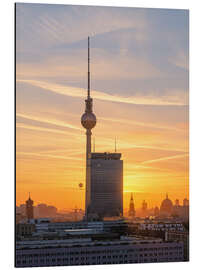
137, 207
139, 98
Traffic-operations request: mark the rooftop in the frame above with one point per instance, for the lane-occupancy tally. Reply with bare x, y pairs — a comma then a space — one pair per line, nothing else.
106, 156
125, 240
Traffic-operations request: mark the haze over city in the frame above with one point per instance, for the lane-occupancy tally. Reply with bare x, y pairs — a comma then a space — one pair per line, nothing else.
139, 83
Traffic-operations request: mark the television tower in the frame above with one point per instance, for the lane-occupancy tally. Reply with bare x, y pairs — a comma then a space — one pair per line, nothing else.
88, 121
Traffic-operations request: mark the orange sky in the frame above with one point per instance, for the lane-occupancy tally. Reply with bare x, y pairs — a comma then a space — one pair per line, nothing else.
146, 109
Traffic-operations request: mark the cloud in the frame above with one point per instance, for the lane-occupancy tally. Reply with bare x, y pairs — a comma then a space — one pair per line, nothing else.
79, 92
142, 124
165, 158
48, 156
40, 128
48, 121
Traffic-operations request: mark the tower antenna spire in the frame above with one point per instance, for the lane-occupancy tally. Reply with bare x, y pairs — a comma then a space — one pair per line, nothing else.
88, 86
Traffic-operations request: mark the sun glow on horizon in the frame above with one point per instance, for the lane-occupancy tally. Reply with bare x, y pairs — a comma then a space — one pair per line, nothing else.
140, 96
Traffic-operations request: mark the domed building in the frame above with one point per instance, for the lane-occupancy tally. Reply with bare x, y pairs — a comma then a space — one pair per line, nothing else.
166, 208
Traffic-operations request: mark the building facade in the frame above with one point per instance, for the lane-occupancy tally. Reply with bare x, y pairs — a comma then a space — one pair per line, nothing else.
88, 252
106, 185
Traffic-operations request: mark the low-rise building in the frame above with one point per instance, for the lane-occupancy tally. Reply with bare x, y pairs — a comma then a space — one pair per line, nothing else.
90, 252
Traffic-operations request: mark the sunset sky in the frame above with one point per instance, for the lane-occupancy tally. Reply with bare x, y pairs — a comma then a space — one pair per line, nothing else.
139, 86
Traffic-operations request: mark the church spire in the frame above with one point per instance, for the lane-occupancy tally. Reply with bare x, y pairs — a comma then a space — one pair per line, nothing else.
131, 212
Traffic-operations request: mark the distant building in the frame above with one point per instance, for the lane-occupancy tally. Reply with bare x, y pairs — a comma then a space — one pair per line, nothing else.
144, 205
185, 202
181, 211
185, 209
29, 208
166, 208
21, 209
131, 212
177, 202
144, 210
106, 191
156, 211
43, 210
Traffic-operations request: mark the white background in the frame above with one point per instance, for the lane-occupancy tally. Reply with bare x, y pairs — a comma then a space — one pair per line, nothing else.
196, 130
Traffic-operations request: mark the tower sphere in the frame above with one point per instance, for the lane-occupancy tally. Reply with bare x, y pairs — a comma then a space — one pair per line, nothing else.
88, 120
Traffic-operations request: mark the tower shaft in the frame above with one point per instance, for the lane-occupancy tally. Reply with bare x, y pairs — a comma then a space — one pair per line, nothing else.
88, 170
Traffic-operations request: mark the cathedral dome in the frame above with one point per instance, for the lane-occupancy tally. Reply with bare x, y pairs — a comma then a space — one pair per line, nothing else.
166, 206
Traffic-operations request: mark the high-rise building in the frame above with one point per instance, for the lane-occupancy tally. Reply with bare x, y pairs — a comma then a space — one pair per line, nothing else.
29, 208
106, 185
131, 212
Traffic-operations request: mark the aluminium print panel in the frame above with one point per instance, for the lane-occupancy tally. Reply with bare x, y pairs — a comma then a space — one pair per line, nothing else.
102, 149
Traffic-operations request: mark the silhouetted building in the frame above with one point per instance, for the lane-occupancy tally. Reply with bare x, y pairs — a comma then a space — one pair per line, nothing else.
144, 210
106, 196
43, 210
144, 205
185, 202
181, 211
166, 208
177, 202
21, 209
156, 211
185, 209
131, 212
29, 208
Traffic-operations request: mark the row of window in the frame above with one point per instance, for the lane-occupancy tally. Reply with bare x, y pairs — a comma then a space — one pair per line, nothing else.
103, 257
87, 262
103, 251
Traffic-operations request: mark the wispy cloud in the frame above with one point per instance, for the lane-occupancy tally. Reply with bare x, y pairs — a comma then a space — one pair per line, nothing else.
165, 158
48, 156
142, 124
79, 92
30, 127
49, 121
